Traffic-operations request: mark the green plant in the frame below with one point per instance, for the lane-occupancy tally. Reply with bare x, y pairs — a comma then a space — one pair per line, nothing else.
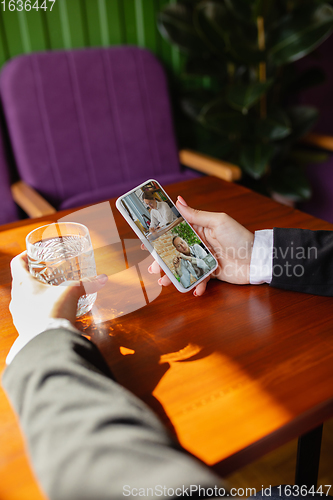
186, 233
239, 82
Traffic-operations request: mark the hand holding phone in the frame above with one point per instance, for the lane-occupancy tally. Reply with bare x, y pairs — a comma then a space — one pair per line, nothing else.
230, 242
173, 243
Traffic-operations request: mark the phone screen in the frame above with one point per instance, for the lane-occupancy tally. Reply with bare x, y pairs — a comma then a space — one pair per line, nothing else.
180, 248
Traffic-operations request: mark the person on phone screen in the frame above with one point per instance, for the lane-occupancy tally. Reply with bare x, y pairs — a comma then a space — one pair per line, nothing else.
193, 254
160, 213
184, 270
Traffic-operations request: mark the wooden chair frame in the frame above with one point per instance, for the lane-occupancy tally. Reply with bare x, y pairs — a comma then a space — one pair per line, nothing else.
35, 205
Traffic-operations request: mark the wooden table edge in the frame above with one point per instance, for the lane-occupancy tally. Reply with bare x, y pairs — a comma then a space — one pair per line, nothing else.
294, 429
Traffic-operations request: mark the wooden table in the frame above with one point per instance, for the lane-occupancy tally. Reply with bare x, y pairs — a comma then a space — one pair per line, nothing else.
235, 373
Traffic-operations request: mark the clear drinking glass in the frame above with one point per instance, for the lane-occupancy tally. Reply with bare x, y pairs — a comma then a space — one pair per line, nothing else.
62, 252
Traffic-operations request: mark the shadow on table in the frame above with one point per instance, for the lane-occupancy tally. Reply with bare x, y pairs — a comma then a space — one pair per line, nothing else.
235, 345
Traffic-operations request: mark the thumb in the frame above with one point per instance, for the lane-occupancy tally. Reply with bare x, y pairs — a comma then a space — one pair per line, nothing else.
198, 217
87, 285
92, 285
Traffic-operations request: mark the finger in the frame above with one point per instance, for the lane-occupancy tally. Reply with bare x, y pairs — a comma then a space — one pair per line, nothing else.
143, 247
182, 201
18, 263
164, 281
95, 284
200, 289
154, 268
198, 217
11, 307
19, 269
87, 285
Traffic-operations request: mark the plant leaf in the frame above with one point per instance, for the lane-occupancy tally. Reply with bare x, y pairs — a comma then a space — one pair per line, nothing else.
212, 21
300, 32
219, 27
254, 158
275, 127
210, 143
175, 23
193, 102
243, 97
302, 120
228, 124
242, 9
244, 50
201, 66
291, 181
218, 117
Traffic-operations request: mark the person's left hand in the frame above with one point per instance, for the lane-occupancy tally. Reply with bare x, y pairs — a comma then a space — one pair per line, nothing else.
34, 304
229, 242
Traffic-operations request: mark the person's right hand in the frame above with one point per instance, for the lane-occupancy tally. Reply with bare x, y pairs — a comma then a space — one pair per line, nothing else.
229, 241
176, 262
186, 257
34, 304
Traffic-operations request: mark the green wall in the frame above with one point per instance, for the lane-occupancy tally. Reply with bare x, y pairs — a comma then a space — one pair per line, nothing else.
84, 23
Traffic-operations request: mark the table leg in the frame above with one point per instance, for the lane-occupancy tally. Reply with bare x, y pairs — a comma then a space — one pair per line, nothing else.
308, 455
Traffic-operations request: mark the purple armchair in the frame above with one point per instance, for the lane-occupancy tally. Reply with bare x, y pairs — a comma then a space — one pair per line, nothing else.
8, 209
87, 125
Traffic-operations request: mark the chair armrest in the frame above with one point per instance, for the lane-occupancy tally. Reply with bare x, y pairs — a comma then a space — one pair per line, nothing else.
321, 141
211, 166
30, 201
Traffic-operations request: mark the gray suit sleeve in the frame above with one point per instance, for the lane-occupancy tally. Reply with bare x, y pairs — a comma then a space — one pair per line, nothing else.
88, 437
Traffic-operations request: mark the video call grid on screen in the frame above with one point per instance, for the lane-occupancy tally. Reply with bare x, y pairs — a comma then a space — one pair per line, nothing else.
174, 240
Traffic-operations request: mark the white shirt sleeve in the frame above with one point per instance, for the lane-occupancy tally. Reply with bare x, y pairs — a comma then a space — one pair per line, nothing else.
262, 257
167, 213
21, 341
154, 222
185, 278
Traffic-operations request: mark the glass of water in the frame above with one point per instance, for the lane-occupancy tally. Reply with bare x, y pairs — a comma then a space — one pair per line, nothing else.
62, 252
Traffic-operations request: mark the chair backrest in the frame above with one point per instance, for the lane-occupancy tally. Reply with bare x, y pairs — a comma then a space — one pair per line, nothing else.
89, 121
9, 211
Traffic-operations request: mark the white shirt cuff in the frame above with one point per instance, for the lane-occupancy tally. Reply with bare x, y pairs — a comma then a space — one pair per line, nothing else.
21, 341
262, 257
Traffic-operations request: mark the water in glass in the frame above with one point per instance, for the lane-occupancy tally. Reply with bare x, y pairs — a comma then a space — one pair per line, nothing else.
64, 258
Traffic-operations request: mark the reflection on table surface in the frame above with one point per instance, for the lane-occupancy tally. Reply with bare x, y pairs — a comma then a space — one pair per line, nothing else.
234, 373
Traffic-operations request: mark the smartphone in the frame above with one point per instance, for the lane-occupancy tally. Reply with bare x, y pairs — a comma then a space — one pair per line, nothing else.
170, 239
